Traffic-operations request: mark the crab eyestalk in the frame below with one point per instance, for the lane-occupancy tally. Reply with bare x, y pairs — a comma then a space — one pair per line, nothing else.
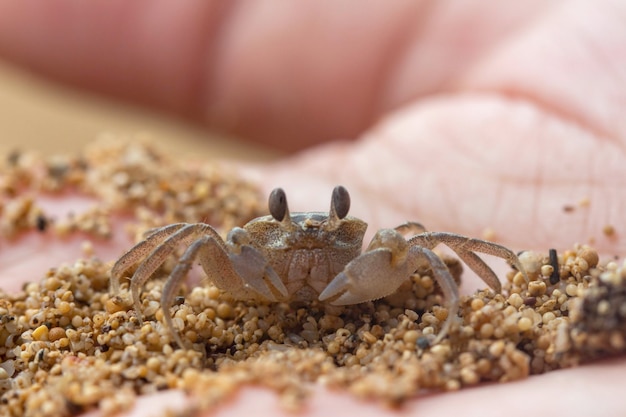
339, 206
279, 209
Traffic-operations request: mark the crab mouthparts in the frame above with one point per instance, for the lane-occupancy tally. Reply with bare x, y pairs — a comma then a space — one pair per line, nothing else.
311, 224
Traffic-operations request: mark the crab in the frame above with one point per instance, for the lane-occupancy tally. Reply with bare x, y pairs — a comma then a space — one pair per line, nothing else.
288, 257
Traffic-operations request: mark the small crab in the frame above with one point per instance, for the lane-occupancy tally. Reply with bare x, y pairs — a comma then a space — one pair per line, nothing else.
304, 256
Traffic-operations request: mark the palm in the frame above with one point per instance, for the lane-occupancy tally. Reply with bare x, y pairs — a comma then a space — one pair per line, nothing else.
502, 135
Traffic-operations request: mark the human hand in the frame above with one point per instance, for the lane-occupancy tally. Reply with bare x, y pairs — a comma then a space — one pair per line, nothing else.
487, 118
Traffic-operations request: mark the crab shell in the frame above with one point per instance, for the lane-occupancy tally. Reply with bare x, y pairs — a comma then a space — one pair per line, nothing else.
307, 251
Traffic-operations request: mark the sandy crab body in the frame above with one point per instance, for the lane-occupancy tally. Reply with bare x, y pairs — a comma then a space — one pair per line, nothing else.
303, 257
308, 256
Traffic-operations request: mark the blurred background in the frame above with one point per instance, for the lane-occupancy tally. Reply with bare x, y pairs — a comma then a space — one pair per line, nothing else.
36, 114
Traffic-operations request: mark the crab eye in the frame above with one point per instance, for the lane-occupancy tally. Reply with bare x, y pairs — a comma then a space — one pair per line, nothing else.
340, 202
278, 204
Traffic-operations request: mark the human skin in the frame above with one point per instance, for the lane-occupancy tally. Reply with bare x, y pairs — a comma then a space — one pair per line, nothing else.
466, 116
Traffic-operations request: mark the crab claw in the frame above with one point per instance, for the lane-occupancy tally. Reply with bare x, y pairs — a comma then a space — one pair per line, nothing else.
368, 277
376, 273
257, 275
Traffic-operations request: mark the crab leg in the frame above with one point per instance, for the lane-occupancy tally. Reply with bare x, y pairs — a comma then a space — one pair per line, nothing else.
464, 247
178, 274
244, 275
156, 258
448, 287
162, 243
481, 269
138, 253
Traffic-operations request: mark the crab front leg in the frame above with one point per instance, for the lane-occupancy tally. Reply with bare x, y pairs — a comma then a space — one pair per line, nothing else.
236, 268
139, 251
388, 262
158, 245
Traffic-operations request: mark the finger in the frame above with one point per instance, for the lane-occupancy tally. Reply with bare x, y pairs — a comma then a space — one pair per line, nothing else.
290, 75
196, 58
150, 52
579, 80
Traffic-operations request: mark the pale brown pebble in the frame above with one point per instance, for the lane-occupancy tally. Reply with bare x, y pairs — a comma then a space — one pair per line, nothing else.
77, 321
430, 318
452, 385
87, 248
519, 279
484, 366
590, 256
603, 307
410, 337
371, 339
543, 342
515, 300
469, 376
531, 261
411, 315
524, 324
547, 270
477, 304
441, 314
486, 330
468, 332
497, 348
467, 359
571, 290
582, 265
333, 348
608, 230
56, 333
548, 317
64, 307
98, 320
52, 283
536, 288
63, 342
330, 322
225, 311
427, 282
213, 293
115, 304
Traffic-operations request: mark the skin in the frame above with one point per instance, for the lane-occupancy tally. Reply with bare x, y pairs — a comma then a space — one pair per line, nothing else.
474, 115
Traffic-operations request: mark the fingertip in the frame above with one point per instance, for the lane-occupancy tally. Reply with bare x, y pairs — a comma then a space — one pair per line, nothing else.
148, 52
